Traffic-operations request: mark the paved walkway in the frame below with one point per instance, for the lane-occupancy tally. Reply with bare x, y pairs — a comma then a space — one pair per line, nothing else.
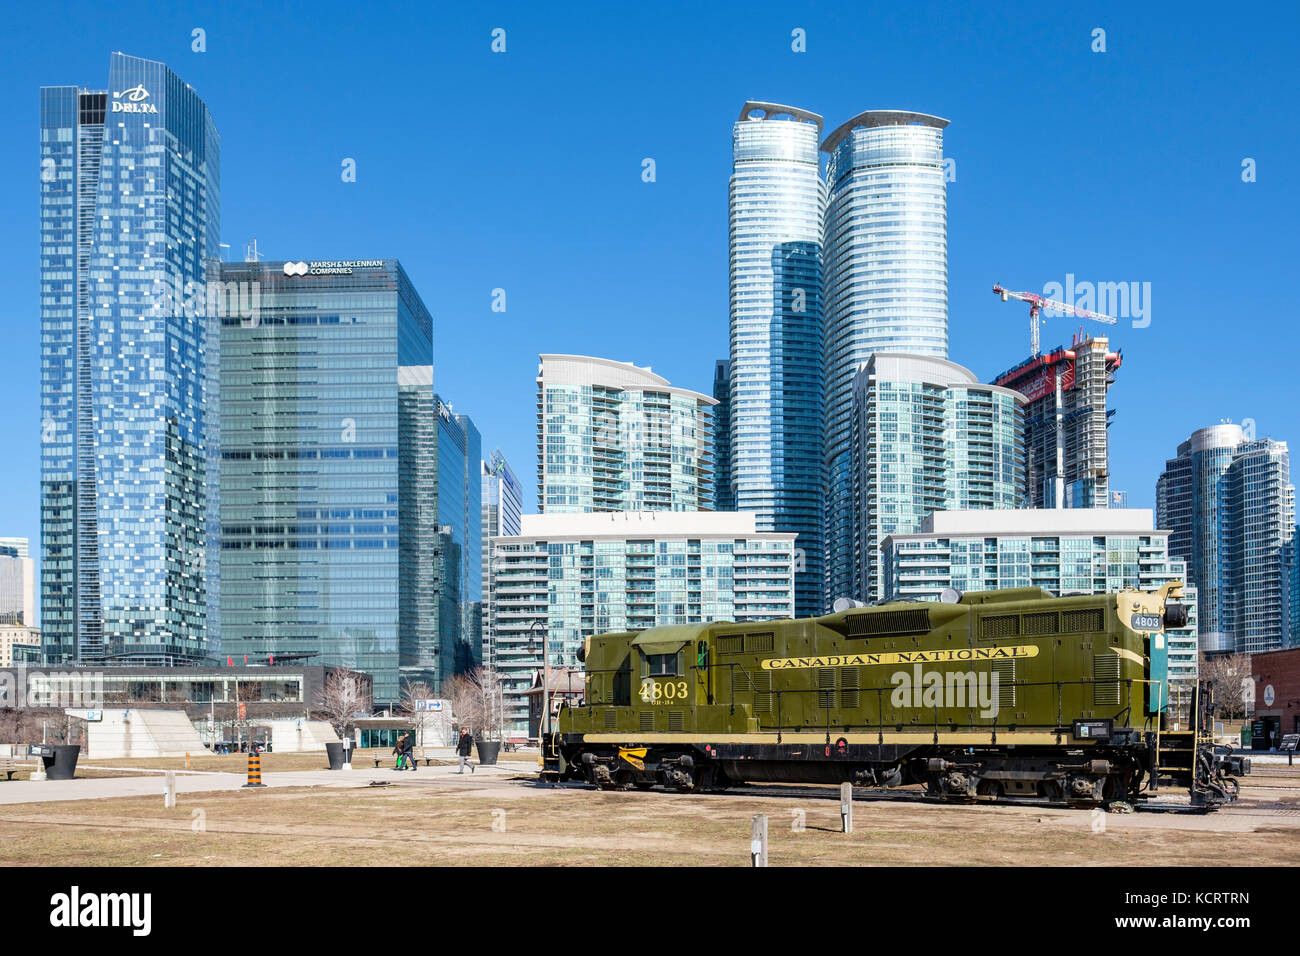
98, 788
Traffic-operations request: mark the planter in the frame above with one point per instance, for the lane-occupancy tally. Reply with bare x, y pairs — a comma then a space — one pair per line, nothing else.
334, 750
488, 751
63, 765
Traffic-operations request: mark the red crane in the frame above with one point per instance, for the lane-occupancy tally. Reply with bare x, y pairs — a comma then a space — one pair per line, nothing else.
1037, 303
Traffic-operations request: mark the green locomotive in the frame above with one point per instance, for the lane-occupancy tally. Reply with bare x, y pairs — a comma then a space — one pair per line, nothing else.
995, 695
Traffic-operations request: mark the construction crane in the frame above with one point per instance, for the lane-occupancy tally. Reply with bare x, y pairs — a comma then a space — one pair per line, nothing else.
1037, 303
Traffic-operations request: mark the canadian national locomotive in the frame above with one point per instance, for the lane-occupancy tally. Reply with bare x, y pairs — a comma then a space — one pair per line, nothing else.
995, 695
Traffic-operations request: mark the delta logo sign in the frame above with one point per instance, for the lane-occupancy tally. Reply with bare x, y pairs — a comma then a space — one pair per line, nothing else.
133, 101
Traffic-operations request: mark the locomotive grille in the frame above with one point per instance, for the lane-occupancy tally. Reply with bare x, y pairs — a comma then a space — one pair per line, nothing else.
825, 688
910, 621
1105, 679
676, 720
611, 718
647, 720
850, 679
759, 642
1001, 625
1006, 671
1042, 623
731, 644
1090, 619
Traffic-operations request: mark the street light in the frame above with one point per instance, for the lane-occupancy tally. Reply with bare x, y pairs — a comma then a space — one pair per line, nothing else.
546, 682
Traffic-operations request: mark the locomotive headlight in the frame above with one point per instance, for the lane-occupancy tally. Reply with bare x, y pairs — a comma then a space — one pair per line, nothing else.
1175, 615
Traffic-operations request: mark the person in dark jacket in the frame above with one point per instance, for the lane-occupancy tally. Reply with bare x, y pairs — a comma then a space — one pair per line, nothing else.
401, 751
463, 749
408, 751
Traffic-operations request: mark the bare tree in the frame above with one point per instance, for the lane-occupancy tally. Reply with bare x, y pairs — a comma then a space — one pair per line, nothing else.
412, 693
341, 697
477, 702
1229, 676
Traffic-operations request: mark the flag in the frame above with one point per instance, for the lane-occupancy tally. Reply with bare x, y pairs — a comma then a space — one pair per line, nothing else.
273, 660
229, 662
245, 658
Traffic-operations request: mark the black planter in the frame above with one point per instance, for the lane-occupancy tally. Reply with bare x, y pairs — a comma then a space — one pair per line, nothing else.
488, 751
63, 765
334, 750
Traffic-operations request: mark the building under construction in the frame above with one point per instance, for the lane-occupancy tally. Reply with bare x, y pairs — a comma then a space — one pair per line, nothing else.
1065, 423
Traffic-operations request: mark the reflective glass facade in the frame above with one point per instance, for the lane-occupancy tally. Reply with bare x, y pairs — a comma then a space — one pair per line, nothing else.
615, 437
574, 576
885, 269
724, 496
329, 507
775, 389
503, 508
130, 214
1229, 504
928, 438
460, 542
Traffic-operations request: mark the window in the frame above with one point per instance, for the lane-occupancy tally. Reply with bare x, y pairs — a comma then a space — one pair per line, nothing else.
662, 665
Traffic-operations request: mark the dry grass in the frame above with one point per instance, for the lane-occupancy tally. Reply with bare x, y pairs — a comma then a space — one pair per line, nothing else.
452, 824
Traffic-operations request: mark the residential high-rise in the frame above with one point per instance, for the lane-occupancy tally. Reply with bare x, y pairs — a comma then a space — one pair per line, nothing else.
1229, 505
331, 516
615, 437
724, 496
503, 508
568, 576
1257, 524
928, 437
1066, 419
775, 389
130, 214
17, 583
885, 279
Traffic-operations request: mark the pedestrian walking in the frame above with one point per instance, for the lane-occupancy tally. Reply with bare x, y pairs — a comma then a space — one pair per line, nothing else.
408, 751
400, 750
463, 750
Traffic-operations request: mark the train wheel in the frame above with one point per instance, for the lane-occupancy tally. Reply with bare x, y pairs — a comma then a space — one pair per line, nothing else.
989, 789
644, 784
623, 780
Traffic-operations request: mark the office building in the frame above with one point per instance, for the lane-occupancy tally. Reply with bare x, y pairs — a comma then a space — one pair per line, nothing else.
1066, 418
331, 434
615, 437
885, 284
460, 534
17, 583
1085, 551
1229, 505
724, 495
774, 417
928, 437
130, 214
569, 576
503, 508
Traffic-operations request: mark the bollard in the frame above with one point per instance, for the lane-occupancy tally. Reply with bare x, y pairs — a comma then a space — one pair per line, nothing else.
169, 791
846, 807
758, 840
254, 770
187, 760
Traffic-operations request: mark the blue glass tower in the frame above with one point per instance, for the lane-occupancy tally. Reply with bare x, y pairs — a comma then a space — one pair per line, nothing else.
886, 283
330, 513
775, 395
130, 213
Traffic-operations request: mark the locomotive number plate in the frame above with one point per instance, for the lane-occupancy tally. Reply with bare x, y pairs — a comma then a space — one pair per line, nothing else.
662, 691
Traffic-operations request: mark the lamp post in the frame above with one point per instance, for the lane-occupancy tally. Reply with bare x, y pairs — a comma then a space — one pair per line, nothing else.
546, 682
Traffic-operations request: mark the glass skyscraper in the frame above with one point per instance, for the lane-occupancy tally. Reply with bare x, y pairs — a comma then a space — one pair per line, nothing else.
331, 515
503, 509
775, 390
885, 271
615, 437
1229, 506
724, 499
929, 437
130, 214
460, 515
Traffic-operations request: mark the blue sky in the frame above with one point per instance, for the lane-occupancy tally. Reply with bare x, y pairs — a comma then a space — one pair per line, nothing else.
522, 171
